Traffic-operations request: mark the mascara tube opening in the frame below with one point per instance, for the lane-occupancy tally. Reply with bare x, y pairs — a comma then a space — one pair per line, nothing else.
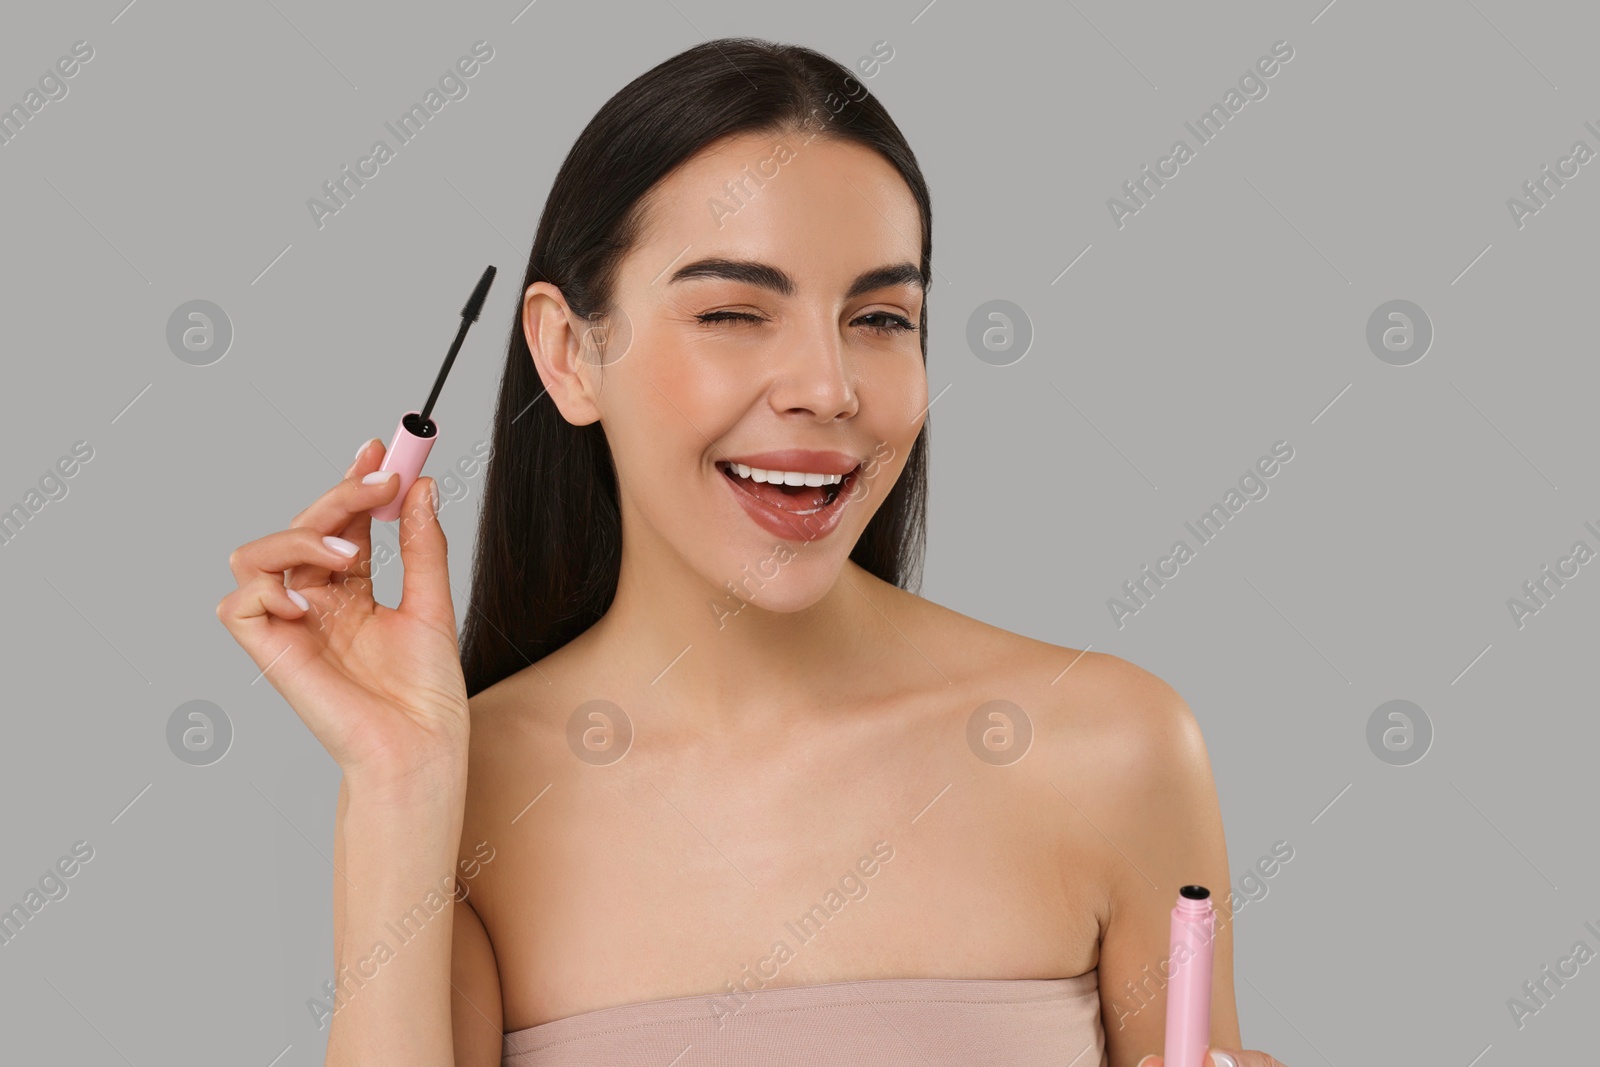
417, 426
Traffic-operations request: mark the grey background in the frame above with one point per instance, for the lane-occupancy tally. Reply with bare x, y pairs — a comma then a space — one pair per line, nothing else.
1228, 314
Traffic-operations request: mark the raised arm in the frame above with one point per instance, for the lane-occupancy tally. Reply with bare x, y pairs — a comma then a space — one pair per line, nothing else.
393, 925
382, 690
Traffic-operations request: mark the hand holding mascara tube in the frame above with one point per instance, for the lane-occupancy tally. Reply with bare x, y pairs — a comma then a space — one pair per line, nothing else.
416, 432
382, 689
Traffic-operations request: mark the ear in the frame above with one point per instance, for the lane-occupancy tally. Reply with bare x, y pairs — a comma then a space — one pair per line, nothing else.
558, 353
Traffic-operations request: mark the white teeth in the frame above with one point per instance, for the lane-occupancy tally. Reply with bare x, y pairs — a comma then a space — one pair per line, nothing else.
756, 474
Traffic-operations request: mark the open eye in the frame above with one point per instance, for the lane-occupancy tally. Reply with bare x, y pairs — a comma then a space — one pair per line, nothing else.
895, 323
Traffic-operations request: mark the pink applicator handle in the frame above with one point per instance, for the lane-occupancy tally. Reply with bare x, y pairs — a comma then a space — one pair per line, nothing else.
1188, 1032
408, 450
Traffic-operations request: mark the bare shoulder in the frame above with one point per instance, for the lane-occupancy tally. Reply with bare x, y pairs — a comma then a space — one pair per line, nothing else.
1136, 727
1123, 699
1131, 759
1095, 687
516, 735
1096, 716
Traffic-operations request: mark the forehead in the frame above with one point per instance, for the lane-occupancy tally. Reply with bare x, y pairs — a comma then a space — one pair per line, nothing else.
823, 210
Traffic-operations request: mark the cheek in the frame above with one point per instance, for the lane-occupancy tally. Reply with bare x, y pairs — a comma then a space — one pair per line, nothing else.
694, 394
899, 393
661, 412
707, 391
901, 401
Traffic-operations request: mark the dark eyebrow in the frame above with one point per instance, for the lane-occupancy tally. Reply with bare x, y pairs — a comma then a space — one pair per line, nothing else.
769, 277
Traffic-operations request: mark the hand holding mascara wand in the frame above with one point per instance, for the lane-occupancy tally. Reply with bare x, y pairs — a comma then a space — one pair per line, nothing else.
416, 433
382, 689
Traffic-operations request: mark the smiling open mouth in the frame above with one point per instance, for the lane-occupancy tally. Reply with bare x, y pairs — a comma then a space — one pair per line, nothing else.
792, 492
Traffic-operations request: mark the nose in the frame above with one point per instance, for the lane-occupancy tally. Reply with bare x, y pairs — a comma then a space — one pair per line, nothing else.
816, 377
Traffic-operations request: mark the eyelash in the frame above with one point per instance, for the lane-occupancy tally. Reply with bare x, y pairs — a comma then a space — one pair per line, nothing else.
901, 323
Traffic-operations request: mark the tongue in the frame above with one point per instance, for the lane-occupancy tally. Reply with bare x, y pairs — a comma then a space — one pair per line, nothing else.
784, 497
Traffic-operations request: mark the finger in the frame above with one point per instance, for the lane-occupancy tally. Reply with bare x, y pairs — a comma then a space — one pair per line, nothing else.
424, 555
1222, 1057
256, 599
278, 551
358, 530
345, 504
333, 510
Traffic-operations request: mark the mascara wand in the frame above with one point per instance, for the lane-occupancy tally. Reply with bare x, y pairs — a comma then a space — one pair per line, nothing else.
416, 433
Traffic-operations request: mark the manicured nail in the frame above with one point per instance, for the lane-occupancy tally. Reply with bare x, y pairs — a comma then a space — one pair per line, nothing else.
433, 494
377, 476
357, 460
1146, 1060
341, 546
1222, 1059
299, 601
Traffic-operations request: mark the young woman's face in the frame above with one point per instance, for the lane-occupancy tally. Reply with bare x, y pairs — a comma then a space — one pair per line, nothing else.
768, 321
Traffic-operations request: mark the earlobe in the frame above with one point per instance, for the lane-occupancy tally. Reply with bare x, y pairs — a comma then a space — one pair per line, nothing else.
546, 326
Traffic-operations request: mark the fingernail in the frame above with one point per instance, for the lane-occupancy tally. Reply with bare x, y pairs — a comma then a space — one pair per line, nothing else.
359, 452
433, 494
1222, 1059
299, 601
377, 476
1146, 1060
341, 546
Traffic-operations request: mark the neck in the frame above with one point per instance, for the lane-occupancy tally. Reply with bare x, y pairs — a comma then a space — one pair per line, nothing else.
715, 660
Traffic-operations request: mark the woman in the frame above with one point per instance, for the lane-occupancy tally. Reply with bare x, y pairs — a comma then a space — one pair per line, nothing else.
712, 785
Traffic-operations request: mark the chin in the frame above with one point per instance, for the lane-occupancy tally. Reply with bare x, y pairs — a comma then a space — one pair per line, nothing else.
785, 577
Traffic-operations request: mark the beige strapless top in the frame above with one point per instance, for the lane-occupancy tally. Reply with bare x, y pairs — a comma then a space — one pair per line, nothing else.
882, 1022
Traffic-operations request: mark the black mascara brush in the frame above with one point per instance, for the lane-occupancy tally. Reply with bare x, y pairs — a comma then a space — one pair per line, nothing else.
417, 432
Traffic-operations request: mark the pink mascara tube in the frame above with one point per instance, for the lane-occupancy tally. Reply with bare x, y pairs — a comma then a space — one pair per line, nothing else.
1194, 926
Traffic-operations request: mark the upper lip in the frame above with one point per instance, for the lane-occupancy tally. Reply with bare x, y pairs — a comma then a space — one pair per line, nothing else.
798, 459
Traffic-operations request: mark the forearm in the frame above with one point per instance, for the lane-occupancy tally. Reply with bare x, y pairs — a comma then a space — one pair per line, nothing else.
395, 858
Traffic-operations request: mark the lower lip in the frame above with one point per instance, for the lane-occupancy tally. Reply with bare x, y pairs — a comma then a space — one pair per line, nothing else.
786, 524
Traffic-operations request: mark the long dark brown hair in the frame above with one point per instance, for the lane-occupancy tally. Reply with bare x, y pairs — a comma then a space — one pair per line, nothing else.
549, 545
